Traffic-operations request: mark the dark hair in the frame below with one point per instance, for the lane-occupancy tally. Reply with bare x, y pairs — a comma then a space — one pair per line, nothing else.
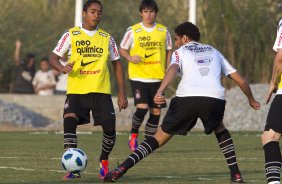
28, 57
88, 3
188, 29
44, 59
150, 4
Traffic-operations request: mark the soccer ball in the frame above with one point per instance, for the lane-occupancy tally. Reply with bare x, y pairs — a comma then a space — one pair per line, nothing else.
74, 160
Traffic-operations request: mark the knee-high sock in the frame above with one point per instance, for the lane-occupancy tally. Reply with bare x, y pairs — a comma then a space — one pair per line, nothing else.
151, 126
70, 138
272, 161
145, 148
108, 142
137, 119
226, 145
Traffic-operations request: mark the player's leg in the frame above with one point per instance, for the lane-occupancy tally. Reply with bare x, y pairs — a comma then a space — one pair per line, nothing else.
103, 114
155, 110
140, 95
272, 153
226, 145
153, 122
70, 124
270, 140
143, 150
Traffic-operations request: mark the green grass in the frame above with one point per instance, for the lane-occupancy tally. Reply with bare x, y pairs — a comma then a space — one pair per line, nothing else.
27, 157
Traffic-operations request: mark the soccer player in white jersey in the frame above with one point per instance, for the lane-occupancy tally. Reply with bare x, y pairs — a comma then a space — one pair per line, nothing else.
88, 88
199, 95
147, 48
273, 128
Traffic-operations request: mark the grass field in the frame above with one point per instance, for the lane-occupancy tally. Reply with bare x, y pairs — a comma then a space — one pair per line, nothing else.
34, 158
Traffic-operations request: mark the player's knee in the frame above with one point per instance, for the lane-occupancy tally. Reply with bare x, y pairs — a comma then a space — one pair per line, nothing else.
155, 111
269, 136
140, 113
109, 127
70, 115
162, 137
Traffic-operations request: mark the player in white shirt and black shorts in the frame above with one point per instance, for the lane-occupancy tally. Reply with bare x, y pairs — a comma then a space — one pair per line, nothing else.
199, 95
273, 128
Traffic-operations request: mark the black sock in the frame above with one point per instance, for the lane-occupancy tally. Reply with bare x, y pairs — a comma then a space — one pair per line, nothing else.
145, 148
137, 119
108, 142
70, 138
272, 161
151, 126
226, 145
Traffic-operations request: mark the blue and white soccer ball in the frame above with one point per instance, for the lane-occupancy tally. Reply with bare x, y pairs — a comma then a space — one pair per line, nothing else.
74, 159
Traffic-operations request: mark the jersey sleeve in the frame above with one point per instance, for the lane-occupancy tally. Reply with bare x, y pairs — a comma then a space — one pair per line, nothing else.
168, 41
278, 40
114, 55
226, 67
63, 45
127, 40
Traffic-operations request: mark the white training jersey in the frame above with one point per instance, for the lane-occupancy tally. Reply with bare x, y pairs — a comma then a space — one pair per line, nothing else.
64, 45
278, 41
44, 78
201, 67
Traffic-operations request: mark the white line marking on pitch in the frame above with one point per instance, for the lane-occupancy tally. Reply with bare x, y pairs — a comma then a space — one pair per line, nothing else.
207, 179
17, 168
8, 157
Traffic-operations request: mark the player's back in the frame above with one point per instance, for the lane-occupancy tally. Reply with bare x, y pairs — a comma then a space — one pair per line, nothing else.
201, 68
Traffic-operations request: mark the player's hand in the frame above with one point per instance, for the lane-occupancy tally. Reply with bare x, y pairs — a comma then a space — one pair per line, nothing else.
254, 104
18, 43
159, 98
135, 59
272, 89
67, 68
122, 100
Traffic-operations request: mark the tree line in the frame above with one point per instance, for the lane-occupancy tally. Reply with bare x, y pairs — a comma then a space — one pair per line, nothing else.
243, 30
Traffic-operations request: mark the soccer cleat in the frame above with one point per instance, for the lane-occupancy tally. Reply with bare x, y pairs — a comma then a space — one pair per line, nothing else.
133, 141
237, 178
115, 174
104, 169
72, 175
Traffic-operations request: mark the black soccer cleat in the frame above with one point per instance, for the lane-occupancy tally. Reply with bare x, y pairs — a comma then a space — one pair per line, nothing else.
237, 178
115, 174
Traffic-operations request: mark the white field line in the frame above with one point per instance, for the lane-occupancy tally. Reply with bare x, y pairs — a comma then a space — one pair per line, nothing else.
9, 157
17, 168
205, 179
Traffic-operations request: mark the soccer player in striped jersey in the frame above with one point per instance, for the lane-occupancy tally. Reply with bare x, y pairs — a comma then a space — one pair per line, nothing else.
273, 128
88, 86
147, 48
200, 94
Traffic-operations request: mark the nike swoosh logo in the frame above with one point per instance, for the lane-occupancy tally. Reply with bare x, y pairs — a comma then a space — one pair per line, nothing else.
146, 56
85, 64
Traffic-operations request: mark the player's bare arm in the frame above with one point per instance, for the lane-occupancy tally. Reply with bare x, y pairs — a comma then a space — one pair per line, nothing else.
168, 58
122, 99
17, 52
169, 76
245, 87
134, 59
276, 75
56, 64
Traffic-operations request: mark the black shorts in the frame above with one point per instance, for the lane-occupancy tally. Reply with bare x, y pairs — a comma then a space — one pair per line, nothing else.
144, 93
274, 117
100, 104
183, 113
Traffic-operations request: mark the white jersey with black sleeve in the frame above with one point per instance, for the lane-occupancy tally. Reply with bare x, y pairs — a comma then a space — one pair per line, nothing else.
201, 67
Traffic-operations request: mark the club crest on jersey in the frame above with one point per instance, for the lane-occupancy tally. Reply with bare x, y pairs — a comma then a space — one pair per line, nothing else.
137, 94
76, 32
204, 61
66, 105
